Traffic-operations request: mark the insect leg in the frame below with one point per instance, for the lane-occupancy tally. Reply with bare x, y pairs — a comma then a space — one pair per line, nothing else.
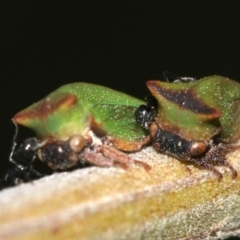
120, 157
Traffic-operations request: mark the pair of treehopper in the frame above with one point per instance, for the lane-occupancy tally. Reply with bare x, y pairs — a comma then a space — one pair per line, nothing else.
196, 121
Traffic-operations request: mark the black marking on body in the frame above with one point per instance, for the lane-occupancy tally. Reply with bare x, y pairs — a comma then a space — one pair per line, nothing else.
57, 155
171, 143
186, 99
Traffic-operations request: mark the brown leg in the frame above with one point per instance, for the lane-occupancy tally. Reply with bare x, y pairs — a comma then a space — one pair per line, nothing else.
203, 163
97, 159
107, 156
215, 156
120, 157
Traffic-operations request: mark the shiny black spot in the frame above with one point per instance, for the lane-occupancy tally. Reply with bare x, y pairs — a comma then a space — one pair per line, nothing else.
145, 114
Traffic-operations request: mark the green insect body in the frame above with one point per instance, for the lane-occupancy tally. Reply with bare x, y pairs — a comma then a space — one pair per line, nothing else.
198, 120
67, 121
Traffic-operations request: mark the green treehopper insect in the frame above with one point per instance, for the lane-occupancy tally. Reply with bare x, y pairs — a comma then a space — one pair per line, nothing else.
82, 122
197, 121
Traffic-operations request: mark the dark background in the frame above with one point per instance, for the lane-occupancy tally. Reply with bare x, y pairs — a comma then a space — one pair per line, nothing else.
120, 44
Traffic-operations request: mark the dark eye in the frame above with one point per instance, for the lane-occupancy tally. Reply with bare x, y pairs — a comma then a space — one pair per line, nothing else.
144, 116
198, 148
141, 115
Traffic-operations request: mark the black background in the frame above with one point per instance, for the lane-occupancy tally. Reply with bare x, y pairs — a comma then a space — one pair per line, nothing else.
120, 44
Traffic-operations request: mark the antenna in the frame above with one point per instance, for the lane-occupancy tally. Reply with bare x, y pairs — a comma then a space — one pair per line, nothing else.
14, 143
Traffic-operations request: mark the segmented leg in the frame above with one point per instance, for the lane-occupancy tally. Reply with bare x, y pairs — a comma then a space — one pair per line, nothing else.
107, 156
215, 156
121, 157
204, 163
